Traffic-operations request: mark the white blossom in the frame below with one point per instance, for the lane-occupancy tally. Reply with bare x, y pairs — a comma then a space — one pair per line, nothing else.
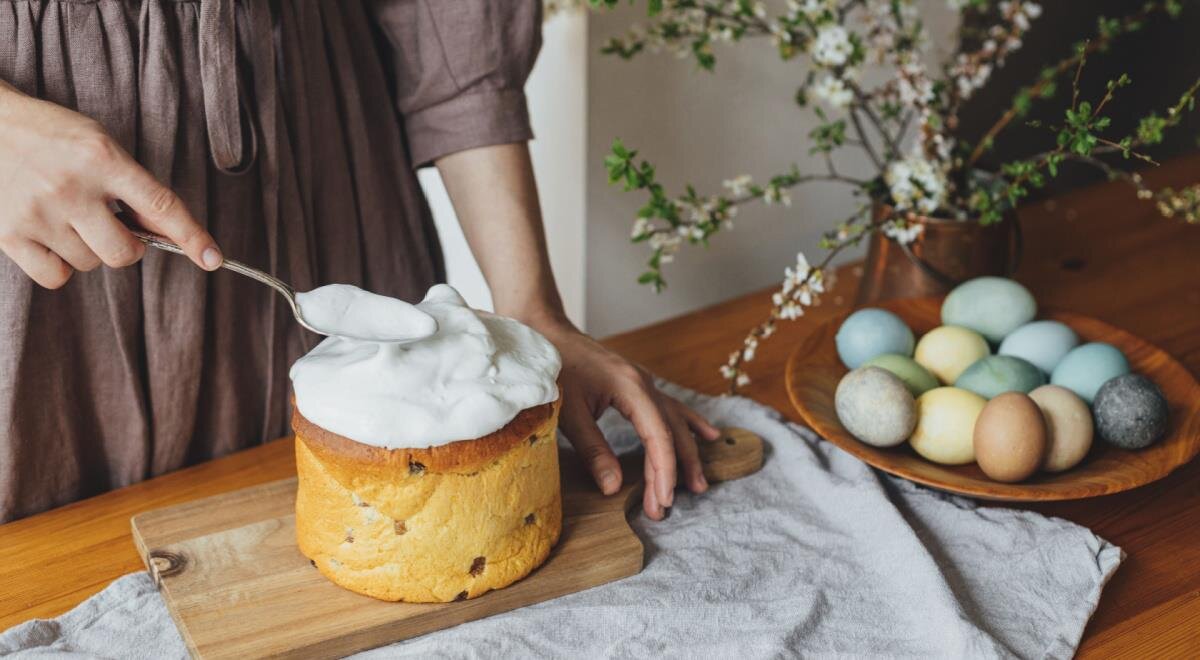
774, 193
833, 91
832, 46
779, 34
812, 9
903, 232
739, 185
915, 86
668, 243
641, 227
916, 184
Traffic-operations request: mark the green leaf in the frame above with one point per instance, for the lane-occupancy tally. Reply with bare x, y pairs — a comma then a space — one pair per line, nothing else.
618, 148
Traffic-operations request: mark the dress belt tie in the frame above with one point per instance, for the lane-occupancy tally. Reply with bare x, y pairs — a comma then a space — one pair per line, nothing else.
226, 114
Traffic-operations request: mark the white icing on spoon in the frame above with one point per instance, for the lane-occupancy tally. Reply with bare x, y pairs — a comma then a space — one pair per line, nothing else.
469, 378
343, 310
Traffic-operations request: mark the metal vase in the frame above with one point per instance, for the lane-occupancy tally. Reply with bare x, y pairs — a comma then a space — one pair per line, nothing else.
947, 253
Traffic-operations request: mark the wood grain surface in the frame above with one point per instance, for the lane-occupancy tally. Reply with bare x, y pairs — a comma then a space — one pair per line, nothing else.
238, 587
814, 369
1096, 251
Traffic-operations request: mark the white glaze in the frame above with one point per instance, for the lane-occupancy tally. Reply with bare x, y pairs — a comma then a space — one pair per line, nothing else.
344, 310
466, 380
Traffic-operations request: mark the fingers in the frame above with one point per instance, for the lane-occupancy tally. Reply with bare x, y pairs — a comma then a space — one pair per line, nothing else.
108, 239
71, 248
38, 261
650, 494
160, 210
699, 423
685, 446
636, 400
593, 448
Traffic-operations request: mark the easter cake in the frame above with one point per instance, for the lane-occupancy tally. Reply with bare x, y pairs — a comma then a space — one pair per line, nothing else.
428, 471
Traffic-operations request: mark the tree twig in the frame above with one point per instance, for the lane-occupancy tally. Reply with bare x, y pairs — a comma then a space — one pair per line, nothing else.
1060, 68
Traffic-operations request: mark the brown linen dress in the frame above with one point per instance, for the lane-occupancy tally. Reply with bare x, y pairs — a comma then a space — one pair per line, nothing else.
292, 128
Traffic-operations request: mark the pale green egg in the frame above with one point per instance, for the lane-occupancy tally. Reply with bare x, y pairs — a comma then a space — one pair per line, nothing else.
991, 306
916, 378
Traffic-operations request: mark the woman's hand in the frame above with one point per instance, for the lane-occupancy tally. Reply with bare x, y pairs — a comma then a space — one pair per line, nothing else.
593, 379
496, 201
59, 173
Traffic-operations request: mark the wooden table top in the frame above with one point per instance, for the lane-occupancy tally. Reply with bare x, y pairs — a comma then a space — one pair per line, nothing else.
1096, 251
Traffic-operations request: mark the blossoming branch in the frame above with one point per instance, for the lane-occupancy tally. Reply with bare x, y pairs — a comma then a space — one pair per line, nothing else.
905, 126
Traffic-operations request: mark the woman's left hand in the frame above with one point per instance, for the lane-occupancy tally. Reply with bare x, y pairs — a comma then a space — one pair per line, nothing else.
496, 202
595, 378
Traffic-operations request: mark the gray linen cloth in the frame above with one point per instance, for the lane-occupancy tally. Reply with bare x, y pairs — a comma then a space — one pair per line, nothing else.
816, 555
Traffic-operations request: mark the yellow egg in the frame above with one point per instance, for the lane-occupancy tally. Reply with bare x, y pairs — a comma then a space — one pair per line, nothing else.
948, 351
946, 425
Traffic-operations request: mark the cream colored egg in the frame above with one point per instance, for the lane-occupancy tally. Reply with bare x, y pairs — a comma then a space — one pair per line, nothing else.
1068, 427
948, 351
946, 425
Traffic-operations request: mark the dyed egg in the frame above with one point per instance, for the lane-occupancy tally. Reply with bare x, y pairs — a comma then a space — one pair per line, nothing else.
947, 351
1010, 437
1068, 427
870, 332
916, 378
1087, 367
875, 406
946, 425
996, 374
1131, 412
1042, 343
991, 306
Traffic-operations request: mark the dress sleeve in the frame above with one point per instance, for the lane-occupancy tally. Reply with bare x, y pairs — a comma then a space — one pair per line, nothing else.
460, 70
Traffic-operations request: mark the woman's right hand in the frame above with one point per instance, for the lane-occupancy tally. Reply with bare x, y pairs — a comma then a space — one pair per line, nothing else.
59, 174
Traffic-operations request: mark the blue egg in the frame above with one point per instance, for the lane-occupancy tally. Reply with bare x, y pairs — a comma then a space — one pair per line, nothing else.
994, 375
871, 332
1042, 343
991, 306
1087, 367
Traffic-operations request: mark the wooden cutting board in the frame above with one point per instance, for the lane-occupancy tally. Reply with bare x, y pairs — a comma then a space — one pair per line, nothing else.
237, 587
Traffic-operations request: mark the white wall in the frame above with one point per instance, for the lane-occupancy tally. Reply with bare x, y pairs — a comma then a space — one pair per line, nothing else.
702, 128
557, 94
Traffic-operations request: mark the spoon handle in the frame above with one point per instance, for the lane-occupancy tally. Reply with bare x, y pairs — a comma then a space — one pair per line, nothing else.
284, 289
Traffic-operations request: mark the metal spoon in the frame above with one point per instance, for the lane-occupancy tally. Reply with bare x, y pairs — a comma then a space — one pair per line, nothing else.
282, 287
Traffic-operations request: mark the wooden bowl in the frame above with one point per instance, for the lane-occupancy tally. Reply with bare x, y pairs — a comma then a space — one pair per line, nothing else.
813, 372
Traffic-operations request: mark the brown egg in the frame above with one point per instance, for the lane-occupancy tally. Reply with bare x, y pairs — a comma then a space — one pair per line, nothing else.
1010, 437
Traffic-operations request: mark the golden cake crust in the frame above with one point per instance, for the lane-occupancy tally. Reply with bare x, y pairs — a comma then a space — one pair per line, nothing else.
461, 457
429, 525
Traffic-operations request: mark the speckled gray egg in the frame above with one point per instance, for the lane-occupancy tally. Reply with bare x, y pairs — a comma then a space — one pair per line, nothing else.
1131, 412
996, 374
875, 406
991, 306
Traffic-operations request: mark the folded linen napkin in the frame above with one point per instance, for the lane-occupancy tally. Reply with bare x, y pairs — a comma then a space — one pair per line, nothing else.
816, 555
